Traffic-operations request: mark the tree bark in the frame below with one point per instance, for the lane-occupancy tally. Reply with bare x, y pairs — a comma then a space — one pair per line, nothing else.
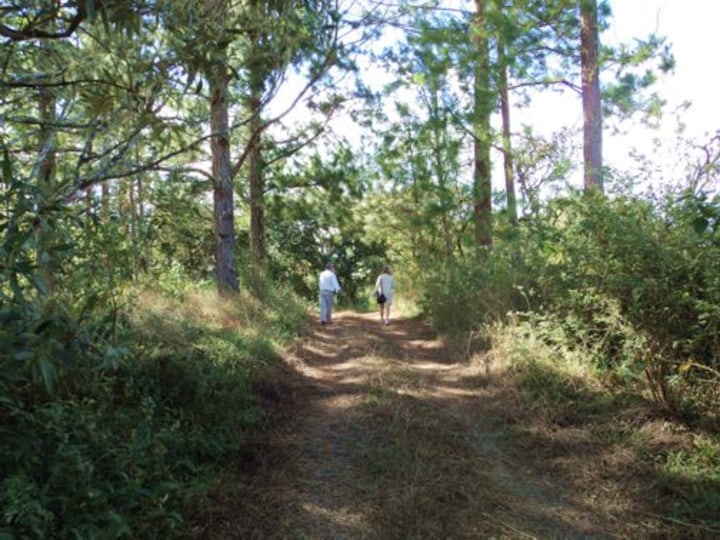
483, 107
255, 165
223, 207
441, 173
506, 143
592, 111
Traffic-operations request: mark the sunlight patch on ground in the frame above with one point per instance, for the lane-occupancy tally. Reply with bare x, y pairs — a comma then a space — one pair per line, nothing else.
425, 345
340, 402
353, 380
433, 366
351, 366
446, 391
342, 518
319, 353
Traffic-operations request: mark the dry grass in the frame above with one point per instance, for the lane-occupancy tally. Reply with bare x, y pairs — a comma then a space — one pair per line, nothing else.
387, 432
202, 307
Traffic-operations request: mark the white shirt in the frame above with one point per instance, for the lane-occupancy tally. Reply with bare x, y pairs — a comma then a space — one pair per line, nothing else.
386, 284
328, 281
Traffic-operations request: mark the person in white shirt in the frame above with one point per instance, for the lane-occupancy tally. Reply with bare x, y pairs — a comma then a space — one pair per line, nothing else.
384, 290
329, 287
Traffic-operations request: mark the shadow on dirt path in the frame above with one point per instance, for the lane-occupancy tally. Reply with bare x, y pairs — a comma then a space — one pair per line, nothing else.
387, 432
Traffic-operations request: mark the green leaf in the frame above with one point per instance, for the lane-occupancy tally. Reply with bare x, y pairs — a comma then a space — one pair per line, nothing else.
17, 291
8, 315
700, 224
48, 374
40, 284
23, 356
67, 246
118, 526
43, 326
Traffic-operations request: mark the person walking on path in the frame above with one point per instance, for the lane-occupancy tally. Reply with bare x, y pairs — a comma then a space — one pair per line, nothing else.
384, 290
329, 287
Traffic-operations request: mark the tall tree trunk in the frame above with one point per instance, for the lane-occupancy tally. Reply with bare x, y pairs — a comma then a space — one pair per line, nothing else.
223, 207
255, 165
506, 143
592, 112
441, 173
483, 107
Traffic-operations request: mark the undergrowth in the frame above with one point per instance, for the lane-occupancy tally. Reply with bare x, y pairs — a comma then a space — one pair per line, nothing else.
604, 306
631, 283
124, 449
689, 480
565, 390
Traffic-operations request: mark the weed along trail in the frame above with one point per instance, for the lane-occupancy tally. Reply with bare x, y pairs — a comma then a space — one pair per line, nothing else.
386, 432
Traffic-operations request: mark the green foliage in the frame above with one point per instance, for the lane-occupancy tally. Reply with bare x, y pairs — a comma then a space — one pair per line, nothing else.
179, 230
633, 285
692, 477
324, 221
564, 388
272, 306
463, 294
550, 370
634, 76
122, 448
562, 393
95, 468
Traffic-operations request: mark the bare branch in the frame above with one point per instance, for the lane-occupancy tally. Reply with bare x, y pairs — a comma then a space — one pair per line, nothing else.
32, 31
546, 83
153, 165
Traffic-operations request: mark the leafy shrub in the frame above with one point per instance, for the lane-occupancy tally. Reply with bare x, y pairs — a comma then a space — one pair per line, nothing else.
461, 295
96, 470
121, 449
634, 283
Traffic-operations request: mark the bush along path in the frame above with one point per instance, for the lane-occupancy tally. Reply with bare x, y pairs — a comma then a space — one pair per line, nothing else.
387, 432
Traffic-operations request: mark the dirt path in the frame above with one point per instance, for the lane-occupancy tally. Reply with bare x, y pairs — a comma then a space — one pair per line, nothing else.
385, 432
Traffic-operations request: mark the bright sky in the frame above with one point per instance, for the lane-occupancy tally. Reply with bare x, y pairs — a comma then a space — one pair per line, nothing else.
691, 26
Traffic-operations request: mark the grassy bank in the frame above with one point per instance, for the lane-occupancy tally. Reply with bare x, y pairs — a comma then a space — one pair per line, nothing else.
126, 447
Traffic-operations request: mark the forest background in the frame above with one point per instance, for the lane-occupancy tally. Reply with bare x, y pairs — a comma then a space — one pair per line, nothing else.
174, 176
